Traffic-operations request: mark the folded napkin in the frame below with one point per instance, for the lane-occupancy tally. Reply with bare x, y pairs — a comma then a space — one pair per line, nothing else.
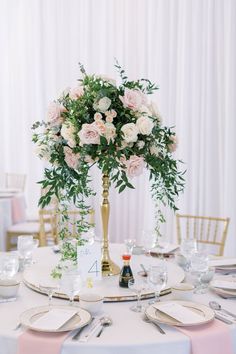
31, 342
213, 337
180, 313
224, 284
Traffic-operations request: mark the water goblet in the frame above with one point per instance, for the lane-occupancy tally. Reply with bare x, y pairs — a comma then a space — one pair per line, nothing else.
9, 265
157, 280
25, 246
129, 244
199, 265
188, 247
137, 285
71, 284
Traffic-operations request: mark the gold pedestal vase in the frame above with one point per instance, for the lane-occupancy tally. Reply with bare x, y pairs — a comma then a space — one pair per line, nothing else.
108, 266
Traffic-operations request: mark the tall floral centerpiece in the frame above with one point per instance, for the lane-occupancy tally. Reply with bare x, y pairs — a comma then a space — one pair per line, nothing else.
116, 127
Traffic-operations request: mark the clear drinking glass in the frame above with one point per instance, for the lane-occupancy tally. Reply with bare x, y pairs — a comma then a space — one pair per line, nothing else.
199, 265
129, 245
25, 246
187, 248
71, 284
157, 280
9, 265
137, 286
50, 290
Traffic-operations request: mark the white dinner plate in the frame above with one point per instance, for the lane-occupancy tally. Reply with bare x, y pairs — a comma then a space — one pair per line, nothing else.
205, 312
28, 318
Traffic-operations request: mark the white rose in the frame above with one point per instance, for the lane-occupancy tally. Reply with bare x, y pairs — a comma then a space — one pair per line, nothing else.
154, 150
140, 144
130, 132
144, 125
144, 110
104, 104
67, 132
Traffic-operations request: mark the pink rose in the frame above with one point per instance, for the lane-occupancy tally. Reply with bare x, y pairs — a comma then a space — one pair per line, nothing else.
133, 99
110, 133
174, 144
100, 126
71, 159
89, 134
134, 166
97, 116
54, 113
76, 92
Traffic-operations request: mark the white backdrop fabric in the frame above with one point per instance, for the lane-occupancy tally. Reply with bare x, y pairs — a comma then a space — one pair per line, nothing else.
188, 47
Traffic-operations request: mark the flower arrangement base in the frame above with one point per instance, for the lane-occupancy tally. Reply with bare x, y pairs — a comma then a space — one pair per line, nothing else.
108, 266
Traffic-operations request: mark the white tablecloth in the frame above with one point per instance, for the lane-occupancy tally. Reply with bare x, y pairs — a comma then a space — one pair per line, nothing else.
128, 332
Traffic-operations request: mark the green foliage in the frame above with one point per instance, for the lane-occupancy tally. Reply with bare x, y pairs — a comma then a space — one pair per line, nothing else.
69, 182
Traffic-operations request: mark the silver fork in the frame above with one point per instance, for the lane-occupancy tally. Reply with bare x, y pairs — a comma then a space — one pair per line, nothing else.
147, 320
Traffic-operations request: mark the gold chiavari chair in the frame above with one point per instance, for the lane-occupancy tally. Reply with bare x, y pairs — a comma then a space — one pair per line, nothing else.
58, 220
208, 231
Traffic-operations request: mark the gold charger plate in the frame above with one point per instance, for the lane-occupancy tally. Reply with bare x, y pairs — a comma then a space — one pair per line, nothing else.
202, 310
28, 318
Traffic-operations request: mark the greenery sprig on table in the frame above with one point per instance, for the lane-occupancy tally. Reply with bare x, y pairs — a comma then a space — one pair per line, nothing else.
114, 126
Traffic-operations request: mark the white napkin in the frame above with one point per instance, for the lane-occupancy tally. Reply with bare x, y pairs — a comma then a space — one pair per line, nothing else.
179, 312
55, 318
224, 284
222, 262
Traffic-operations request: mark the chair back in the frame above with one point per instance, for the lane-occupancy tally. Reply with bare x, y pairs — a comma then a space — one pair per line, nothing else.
210, 231
56, 221
14, 180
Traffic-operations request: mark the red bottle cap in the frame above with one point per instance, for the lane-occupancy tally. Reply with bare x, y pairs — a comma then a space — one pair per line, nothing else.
126, 257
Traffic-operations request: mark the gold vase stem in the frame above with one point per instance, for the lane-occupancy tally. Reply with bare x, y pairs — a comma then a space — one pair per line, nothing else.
108, 267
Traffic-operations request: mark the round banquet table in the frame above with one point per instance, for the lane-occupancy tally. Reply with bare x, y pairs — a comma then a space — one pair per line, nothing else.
127, 333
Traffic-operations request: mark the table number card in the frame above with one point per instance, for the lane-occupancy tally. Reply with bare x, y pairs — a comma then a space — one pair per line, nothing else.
89, 261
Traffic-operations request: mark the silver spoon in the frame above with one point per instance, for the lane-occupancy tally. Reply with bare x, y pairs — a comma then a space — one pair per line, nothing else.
216, 306
105, 322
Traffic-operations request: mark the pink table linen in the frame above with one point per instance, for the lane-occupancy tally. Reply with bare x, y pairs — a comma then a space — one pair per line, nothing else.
18, 209
212, 338
31, 342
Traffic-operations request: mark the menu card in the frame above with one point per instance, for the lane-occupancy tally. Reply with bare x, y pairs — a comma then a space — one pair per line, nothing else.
179, 312
55, 318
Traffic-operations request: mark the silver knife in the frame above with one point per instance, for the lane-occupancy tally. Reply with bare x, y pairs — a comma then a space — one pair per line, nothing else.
225, 320
10, 299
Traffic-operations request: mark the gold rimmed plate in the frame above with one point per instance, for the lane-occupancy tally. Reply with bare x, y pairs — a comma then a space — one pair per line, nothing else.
207, 314
29, 318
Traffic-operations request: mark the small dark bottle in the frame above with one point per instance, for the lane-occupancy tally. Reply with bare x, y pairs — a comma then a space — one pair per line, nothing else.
126, 272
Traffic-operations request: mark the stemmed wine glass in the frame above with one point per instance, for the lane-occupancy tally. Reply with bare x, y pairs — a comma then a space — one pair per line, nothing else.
9, 265
50, 289
71, 283
188, 247
137, 285
129, 244
199, 265
157, 279
25, 246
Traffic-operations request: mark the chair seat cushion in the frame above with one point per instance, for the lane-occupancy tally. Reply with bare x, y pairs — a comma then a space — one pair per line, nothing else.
28, 227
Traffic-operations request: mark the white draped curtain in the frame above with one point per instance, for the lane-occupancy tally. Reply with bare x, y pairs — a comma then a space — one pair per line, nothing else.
188, 47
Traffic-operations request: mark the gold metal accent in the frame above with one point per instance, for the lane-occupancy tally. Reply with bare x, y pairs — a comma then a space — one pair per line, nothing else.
108, 266
203, 231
